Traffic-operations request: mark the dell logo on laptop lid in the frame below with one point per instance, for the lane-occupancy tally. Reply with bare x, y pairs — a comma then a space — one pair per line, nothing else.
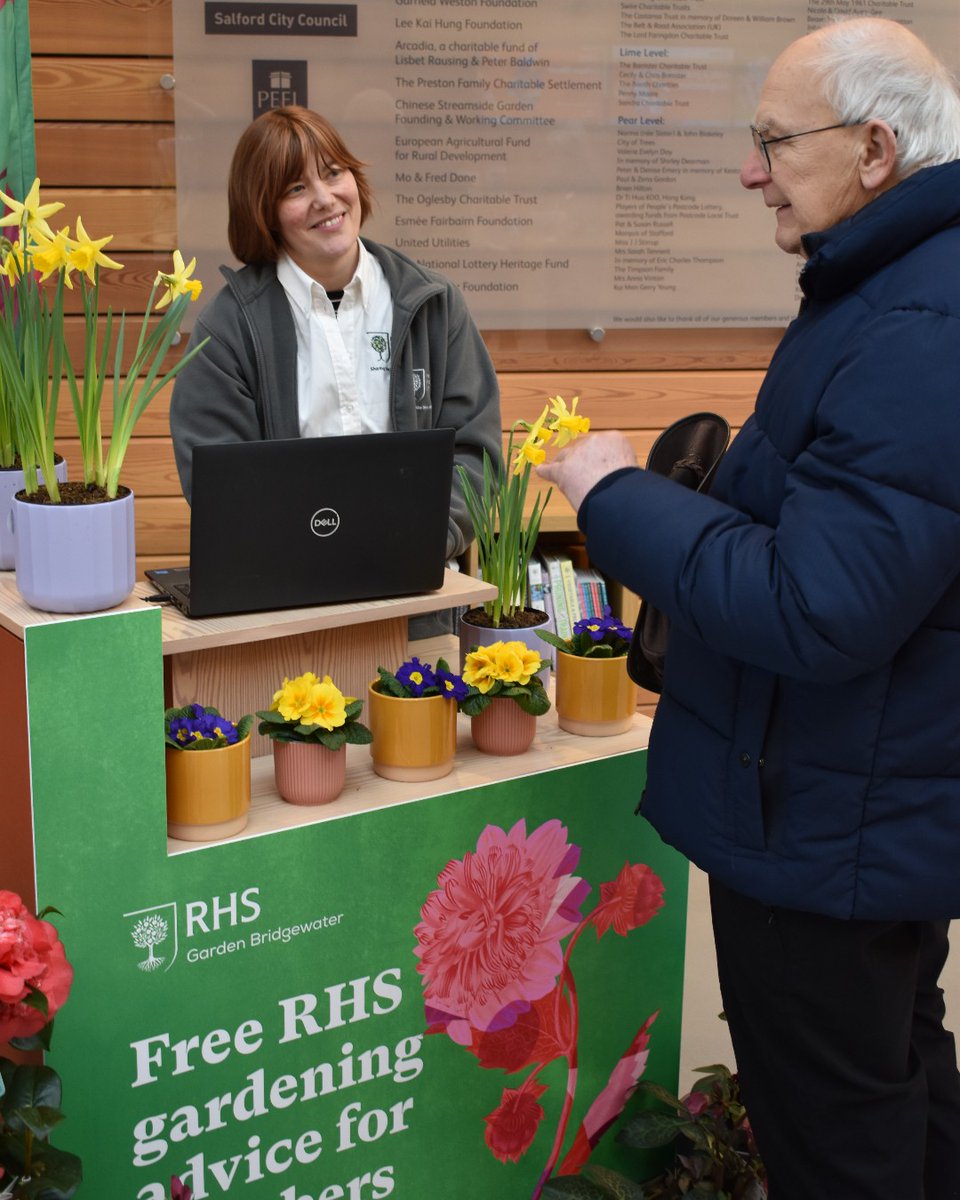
324, 522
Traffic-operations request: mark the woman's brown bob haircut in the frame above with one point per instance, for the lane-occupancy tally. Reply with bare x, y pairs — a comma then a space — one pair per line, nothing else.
272, 153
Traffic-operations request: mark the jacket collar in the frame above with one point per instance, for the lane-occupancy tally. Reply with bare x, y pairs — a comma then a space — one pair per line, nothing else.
841, 257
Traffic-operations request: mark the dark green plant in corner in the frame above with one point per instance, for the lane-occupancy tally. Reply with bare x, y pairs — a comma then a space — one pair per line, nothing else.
714, 1151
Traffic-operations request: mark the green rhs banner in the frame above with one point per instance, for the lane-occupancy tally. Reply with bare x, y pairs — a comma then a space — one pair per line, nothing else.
18, 166
452, 997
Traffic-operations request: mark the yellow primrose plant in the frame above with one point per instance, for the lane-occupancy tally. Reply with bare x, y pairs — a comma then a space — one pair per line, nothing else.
310, 709
35, 268
506, 539
509, 669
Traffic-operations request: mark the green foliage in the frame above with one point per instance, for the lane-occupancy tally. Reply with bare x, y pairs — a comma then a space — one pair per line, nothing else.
531, 697
504, 544
714, 1151
275, 726
29, 1109
596, 1183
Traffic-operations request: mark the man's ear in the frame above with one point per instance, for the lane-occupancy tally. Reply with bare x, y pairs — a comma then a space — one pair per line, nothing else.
878, 162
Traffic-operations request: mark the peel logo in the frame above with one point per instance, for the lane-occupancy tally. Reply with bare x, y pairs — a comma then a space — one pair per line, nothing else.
324, 522
155, 929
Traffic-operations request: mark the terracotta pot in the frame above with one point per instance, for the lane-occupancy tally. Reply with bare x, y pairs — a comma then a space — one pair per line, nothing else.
208, 792
413, 738
595, 697
482, 635
503, 728
308, 773
74, 558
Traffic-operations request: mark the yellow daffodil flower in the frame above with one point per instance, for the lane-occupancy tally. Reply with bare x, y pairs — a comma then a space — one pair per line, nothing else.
31, 214
566, 424
178, 282
53, 254
531, 451
86, 253
12, 267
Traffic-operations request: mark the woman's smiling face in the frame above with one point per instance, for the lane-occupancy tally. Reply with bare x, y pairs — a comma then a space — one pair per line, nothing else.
319, 218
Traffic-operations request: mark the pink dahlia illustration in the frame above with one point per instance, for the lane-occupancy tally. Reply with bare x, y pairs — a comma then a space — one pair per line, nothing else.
489, 937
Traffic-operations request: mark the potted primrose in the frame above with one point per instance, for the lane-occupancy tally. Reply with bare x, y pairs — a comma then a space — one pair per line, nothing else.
595, 697
413, 718
310, 723
505, 697
208, 773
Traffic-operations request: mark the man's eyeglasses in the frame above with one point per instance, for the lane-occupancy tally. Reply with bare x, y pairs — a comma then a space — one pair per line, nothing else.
761, 143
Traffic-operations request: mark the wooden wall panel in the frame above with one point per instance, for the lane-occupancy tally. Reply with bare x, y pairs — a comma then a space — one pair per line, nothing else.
632, 349
138, 218
127, 27
106, 154
101, 89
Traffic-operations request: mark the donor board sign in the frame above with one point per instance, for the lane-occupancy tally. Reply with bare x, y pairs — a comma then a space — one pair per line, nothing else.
567, 165
450, 996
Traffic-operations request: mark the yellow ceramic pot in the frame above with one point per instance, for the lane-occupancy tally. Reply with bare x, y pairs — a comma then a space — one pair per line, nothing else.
308, 773
503, 728
208, 792
413, 738
595, 697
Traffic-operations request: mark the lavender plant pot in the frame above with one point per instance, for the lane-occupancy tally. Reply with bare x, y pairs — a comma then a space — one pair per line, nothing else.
74, 558
11, 482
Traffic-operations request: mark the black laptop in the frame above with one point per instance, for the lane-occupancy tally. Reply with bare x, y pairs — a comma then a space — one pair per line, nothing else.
304, 521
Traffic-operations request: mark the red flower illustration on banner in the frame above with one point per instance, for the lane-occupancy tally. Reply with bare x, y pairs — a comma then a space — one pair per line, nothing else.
512, 1125
629, 901
489, 939
497, 977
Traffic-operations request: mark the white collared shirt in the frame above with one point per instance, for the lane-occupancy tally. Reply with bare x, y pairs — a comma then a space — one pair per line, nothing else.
343, 357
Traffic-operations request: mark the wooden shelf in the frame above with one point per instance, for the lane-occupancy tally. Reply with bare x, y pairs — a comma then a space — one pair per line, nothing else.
365, 791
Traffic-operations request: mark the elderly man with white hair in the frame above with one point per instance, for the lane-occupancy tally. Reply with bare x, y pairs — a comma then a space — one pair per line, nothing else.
806, 748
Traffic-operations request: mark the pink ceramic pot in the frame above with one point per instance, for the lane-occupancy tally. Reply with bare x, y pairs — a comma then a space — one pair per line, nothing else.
503, 728
308, 773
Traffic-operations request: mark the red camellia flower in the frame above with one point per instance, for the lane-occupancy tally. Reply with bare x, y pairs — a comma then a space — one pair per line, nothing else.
513, 1124
631, 900
31, 958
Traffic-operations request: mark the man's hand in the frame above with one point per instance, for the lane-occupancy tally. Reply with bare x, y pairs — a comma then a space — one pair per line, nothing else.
583, 463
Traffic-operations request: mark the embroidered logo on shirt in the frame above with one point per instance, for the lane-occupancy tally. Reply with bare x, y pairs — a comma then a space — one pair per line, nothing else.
380, 345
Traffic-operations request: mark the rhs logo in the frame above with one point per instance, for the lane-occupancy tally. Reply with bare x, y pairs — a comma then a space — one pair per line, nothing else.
153, 929
324, 522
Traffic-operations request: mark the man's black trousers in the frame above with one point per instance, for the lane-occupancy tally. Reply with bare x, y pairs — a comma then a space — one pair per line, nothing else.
849, 1078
